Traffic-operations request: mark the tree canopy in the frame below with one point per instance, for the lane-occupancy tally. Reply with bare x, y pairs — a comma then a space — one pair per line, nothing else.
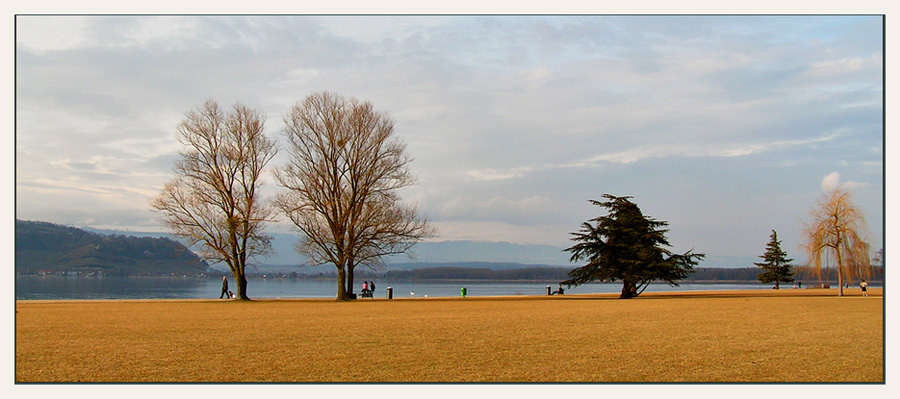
627, 246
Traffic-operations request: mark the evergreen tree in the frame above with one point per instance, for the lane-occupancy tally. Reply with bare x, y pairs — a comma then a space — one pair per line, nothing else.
775, 263
628, 246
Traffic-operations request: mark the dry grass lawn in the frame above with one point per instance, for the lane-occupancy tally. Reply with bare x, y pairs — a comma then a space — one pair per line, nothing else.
737, 336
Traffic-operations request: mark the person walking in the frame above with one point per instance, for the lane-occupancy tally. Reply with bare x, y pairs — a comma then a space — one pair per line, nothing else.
863, 285
372, 288
224, 288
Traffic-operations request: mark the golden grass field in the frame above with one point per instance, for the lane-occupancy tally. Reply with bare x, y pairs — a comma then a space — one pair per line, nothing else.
717, 336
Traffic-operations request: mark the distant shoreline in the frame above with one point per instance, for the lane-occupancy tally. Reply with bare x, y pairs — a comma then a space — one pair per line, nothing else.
807, 283
762, 293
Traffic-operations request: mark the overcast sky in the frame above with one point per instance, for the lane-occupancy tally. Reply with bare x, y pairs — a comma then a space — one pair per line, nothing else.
726, 127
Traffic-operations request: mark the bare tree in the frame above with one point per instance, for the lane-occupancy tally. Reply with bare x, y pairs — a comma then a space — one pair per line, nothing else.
837, 232
342, 177
214, 199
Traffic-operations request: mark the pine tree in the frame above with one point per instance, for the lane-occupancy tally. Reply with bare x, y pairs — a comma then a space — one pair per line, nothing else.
775, 263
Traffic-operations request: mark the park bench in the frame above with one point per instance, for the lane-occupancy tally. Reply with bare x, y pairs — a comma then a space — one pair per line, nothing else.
366, 294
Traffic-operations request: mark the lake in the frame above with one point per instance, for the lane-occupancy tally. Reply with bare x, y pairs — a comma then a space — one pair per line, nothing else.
82, 287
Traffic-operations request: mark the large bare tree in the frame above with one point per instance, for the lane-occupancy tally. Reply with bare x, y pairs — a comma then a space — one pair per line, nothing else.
214, 199
837, 232
344, 170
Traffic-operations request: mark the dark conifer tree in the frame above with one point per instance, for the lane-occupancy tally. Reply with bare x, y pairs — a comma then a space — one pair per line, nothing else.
775, 263
628, 246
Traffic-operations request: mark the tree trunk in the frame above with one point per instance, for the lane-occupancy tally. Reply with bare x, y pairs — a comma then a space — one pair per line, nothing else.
629, 289
240, 282
840, 274
242, 287
349, 277
341, 293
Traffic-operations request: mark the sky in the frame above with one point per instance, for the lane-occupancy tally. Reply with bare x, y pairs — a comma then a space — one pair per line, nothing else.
727, 127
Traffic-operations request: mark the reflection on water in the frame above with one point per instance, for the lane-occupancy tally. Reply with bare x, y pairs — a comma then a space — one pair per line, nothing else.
74, 287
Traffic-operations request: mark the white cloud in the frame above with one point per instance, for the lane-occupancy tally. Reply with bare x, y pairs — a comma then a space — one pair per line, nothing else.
495, 174
831, 181
844, 66
297, 77
495, 231
694, 150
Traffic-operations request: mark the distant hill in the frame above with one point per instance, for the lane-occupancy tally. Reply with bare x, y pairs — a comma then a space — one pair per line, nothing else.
479, 251
49, 248
495, 253
285, 259
540, 273
506, 269
283, 253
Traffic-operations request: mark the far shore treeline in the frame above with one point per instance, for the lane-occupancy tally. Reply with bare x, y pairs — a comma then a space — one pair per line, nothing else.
722, 275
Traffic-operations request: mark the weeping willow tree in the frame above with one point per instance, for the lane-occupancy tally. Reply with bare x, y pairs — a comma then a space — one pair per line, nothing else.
837, 233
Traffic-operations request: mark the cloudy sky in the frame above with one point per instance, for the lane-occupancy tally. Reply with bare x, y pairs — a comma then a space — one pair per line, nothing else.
727, 127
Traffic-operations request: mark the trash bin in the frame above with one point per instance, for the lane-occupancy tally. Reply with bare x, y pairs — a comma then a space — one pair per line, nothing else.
548, 290
462, 291
390, 293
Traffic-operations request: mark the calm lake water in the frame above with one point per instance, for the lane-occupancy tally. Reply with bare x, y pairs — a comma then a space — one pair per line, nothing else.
72, 287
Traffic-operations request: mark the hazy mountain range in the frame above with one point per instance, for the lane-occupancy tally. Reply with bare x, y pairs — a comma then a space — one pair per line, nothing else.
495, 255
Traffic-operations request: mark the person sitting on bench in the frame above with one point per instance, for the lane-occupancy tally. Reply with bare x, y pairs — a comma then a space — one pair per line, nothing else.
559, 291
366, 291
